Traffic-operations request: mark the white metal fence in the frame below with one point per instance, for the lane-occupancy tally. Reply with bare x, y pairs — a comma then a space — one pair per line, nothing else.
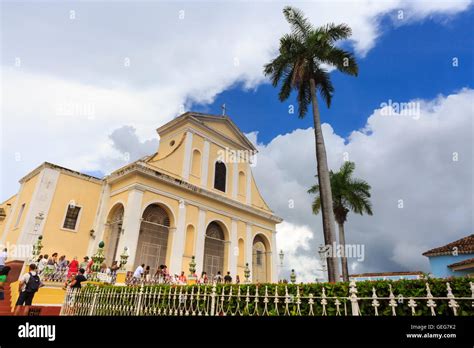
241, 300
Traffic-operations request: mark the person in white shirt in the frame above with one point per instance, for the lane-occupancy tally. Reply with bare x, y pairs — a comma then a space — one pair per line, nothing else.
139, 271
29, 284
3, 258
42, 264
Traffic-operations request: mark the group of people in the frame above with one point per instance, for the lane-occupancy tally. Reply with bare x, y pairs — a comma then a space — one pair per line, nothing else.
50, 268
162, 276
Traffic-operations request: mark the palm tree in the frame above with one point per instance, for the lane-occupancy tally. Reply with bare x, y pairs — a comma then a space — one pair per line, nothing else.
301, 65
348, 194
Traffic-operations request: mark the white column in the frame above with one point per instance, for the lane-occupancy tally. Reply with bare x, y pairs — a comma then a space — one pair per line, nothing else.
205, 164
200, 239
235, 180
248, 247
178, 242
248, 195
131, 226
233, 249
100, 221
274, 274
188, 147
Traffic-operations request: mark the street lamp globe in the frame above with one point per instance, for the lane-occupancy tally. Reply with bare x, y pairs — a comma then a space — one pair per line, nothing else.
281, 257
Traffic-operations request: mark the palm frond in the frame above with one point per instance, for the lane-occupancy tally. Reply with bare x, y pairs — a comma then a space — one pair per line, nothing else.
299, 24
324, 85
344, 61
337, 31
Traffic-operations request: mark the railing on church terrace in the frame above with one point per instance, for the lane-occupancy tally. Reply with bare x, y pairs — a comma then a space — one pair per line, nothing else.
54, 275
50, 275
371, 298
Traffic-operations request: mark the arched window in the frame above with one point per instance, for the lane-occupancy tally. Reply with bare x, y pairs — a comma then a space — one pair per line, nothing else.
241, 183
214, 247
241, 253
260, 260
220, 173
196, 164
113, 233
153, 237
189, 246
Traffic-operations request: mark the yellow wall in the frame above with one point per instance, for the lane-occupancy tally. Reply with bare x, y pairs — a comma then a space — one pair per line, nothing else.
8, 209
24, 197
85, 194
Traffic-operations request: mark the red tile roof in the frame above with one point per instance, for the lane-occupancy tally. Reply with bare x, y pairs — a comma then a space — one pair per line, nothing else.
464, 246
462, 263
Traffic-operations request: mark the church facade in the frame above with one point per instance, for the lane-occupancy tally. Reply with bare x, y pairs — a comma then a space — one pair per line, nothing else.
195, 196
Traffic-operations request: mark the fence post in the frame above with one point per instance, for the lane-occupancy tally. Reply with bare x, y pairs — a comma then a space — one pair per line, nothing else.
430, 303
213, 299
452, 301
94, 300
139, 302
65, 306
353, 298
392, 303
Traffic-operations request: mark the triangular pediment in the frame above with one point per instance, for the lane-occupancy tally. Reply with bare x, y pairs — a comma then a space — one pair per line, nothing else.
220, 126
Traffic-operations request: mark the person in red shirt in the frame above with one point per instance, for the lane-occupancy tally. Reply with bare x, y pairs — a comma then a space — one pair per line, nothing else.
182, 278
73, 268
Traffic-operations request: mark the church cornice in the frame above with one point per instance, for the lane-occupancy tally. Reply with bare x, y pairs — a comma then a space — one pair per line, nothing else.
142, 168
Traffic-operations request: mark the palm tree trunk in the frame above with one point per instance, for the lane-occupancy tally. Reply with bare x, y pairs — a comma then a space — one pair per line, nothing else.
324, 188
342, 243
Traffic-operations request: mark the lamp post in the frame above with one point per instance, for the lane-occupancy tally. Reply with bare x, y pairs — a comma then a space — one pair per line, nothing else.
282, 256
323, 258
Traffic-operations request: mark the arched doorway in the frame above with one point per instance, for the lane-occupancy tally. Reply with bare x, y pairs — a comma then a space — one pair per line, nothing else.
153, 238
113, 233
214, 250
260, 260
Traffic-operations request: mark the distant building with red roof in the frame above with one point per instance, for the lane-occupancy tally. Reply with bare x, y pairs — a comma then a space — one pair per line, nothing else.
455, 259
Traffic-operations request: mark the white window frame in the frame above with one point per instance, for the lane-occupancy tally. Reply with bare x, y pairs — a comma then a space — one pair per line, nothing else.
78, 221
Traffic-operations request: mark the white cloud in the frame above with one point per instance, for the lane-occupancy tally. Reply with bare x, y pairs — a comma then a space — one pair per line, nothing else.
293, 240
402, 158
173, 62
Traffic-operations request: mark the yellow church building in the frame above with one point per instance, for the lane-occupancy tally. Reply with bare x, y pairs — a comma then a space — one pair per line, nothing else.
195, 196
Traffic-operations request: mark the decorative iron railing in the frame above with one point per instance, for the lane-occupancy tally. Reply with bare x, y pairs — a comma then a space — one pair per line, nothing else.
52, 274
265, 300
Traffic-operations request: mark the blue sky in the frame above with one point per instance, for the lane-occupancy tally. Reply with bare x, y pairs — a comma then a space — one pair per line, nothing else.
409, 62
